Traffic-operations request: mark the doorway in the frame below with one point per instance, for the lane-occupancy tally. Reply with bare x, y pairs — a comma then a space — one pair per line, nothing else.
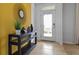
48, 28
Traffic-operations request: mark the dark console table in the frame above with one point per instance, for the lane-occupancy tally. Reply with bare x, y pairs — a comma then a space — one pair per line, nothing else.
19, 41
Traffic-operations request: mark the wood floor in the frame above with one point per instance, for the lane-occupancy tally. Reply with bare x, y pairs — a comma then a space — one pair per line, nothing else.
53, 48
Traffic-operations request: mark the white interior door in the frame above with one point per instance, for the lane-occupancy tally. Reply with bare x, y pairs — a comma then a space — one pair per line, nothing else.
48, 25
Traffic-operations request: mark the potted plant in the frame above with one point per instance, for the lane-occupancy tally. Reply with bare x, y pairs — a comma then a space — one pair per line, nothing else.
18, 27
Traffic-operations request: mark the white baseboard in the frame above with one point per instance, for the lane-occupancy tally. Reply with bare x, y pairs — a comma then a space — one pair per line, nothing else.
61, 44
69, 43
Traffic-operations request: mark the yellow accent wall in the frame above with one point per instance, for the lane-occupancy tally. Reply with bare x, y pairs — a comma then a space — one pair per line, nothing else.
7, 23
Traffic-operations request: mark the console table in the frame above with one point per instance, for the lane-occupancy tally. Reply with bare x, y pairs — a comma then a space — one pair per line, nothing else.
20, 41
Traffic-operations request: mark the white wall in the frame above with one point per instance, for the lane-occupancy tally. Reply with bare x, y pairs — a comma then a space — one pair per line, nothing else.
77, 23
69, 10
32, 14
37, 20
59, 29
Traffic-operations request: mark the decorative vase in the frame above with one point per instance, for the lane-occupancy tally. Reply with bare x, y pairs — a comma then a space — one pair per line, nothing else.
18, 32
31, 28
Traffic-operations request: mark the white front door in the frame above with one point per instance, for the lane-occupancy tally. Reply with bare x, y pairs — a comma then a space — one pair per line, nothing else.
48, 25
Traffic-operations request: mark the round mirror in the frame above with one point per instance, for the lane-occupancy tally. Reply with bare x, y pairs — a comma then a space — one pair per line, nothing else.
21, 13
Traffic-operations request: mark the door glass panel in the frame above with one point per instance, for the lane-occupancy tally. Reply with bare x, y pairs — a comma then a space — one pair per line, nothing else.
47, 18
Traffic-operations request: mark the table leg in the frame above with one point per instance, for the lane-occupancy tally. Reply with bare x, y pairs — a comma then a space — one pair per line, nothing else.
19, 46
35, 38
9, 46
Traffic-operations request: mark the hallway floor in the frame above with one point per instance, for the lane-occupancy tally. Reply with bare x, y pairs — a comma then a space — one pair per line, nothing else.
53, 48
